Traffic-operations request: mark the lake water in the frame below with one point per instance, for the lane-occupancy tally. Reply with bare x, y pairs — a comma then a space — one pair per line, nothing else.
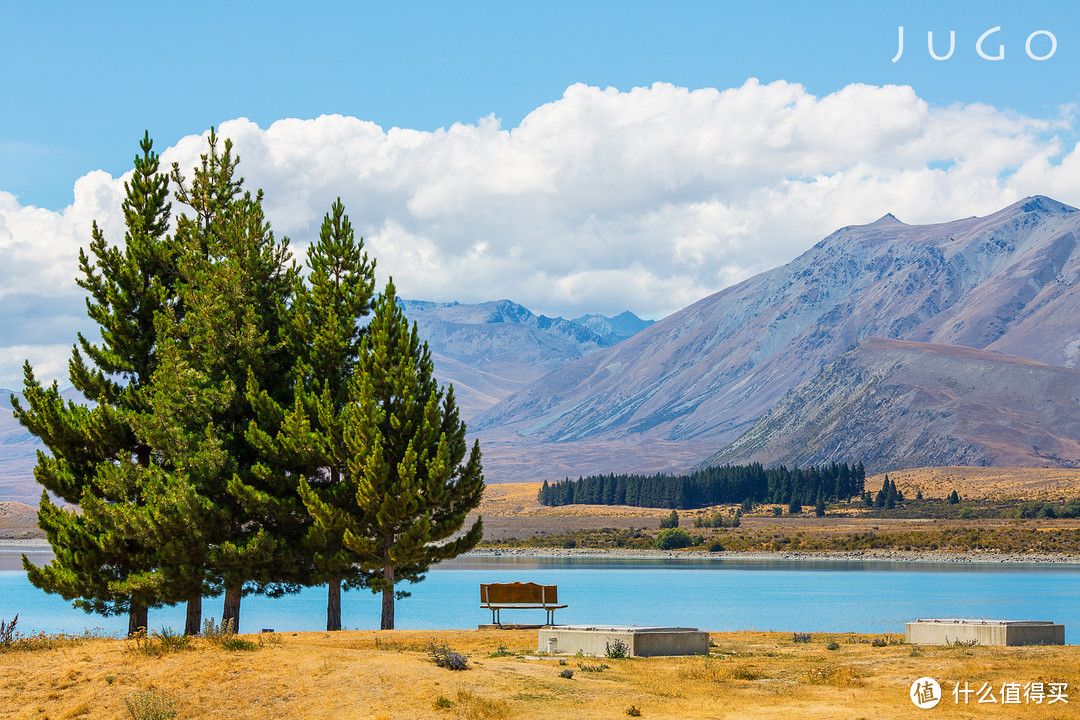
710, 594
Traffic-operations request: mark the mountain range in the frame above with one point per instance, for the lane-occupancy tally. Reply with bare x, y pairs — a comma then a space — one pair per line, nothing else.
490, 350
702, 377
898, 345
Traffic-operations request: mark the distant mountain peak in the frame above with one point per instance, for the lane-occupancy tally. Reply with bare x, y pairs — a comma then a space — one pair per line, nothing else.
1041, 205
886, 219
1006, 283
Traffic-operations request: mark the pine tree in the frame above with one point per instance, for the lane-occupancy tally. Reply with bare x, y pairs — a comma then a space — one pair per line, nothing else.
406, 446
224, 345
326, 335
96, 459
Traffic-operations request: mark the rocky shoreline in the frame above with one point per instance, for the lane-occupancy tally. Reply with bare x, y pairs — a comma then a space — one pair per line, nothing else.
975, 557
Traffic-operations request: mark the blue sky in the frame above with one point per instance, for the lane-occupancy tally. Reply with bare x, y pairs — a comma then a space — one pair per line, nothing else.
574, 157
83, 83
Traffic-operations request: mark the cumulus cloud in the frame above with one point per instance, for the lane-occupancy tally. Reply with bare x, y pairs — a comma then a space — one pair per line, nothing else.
602, 200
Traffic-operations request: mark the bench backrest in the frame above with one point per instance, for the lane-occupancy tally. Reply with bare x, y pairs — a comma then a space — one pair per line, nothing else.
502, 593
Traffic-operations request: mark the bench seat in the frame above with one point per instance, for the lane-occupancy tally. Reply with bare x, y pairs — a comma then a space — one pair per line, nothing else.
519, 596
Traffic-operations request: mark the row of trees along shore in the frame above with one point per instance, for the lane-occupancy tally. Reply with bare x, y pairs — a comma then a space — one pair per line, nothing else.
712, 486
246, 429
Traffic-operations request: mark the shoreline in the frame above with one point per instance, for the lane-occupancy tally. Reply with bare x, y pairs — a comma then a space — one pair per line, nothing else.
977, 557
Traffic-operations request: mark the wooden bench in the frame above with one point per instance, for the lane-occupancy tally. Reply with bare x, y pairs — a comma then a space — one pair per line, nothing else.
519, 596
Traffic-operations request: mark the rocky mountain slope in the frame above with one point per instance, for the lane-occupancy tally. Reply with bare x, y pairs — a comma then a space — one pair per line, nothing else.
898, 404
1004, 283
490, 350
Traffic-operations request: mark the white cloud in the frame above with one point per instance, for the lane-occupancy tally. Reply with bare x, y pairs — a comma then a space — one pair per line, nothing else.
602, 200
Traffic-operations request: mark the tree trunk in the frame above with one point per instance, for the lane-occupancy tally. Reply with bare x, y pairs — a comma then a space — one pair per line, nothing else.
193, 624
333, 603
388, 598
137, 619
231, 609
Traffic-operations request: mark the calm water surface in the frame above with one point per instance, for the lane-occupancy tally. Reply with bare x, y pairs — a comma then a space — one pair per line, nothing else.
714, 594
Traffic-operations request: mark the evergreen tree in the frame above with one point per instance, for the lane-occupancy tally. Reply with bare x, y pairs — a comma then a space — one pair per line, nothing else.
326, 334
671, 521
95, 458
225, 345
406, 445
819, 506
890, 494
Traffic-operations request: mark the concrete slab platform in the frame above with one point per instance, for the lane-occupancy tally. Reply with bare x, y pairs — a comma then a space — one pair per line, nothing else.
639, 641
945, 631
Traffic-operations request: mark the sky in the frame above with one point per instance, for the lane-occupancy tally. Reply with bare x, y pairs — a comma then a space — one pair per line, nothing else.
585, 157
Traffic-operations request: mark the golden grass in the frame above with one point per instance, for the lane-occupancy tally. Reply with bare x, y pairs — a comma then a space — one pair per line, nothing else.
353, 675
519, 499
985, 482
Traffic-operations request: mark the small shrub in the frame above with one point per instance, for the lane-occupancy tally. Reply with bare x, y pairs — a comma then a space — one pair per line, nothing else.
444, 657
7, 631
152, 704
442, 703
800, 637
878, 642
966, 513
501, 652
158, 642
833, 645
916, 651
961, 643
714, 547
270, 638
673, 539
671, 521
616, 649
593, 668
211, 631
235, 643
777, 511
633, 711
567, 673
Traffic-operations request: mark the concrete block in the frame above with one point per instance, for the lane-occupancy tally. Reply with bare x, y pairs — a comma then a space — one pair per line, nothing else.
639, 641
984, 632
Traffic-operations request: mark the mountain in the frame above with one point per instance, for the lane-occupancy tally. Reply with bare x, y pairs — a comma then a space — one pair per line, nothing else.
492, 349
1005, 283
895, 404
487, 350
18, 455
614, 329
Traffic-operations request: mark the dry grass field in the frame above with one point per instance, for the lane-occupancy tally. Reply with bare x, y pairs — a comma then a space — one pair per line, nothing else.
511, 510
389, 675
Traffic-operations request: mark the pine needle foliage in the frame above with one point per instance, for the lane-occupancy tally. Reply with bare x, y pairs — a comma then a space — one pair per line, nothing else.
95, 458
410, 482
326, 331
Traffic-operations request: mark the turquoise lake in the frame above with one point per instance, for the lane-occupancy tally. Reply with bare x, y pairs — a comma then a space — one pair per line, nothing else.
712, 594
